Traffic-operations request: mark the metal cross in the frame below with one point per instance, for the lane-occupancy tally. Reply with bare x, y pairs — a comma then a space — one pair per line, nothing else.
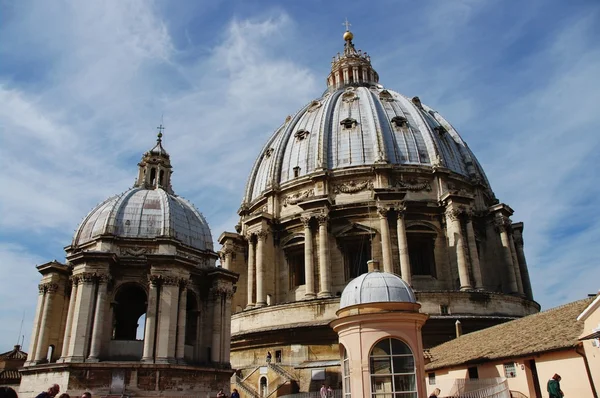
348, 24
160, 128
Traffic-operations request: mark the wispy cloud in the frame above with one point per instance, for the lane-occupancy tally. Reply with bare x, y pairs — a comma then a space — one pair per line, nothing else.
81, 95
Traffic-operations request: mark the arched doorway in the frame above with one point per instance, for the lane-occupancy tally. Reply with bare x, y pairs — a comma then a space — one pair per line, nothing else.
263, 387
129, 310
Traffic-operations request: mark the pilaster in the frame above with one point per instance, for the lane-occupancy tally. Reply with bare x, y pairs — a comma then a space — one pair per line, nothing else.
403, 244
324, 268
386, 244
309, 266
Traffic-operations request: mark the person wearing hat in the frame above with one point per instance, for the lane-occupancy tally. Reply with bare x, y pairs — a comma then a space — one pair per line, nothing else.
554, 390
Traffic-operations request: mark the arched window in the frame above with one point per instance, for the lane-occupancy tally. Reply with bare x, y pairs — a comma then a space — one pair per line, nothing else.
161, 177
346, 375
152, 176
263, 387
191, 322
130, 305
392, 368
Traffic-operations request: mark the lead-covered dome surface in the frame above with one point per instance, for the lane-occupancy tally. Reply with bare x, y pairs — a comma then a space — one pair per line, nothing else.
146, 213
376, 287
360, 126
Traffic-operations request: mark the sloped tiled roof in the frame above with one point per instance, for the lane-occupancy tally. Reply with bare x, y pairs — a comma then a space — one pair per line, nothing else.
551, 330
15, 353
9, 376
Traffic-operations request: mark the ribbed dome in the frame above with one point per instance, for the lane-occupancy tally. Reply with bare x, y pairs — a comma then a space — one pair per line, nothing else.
377, 287
146, 213
359, 126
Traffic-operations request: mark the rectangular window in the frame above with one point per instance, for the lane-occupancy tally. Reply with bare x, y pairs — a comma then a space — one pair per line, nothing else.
510, 370
295, 260
317, 374
346, 369
444, 309
431, 377
357, 251
473, 373
278, 356
421, 254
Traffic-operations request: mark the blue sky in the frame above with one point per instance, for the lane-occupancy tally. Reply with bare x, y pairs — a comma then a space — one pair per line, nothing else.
84, 84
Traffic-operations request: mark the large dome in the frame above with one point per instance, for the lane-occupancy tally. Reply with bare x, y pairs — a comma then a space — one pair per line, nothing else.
377, 287
148, 210
360, 126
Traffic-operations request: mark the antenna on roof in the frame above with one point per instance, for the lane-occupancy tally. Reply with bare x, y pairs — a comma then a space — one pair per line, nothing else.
21, 328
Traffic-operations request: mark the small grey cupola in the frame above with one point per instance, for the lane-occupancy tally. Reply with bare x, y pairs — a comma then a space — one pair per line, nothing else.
155, 167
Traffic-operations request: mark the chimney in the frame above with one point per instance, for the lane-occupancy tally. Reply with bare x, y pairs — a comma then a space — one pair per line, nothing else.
373, 266
458, 326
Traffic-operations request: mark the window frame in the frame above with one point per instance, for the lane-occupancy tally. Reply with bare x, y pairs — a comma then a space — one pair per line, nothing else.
393, 376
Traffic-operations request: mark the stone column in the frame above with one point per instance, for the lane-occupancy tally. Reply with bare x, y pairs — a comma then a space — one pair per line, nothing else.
69, 323
455, 236
37, 320
42, 344
227, 254
309, 265
386, 243
324, 273
251, 271
96, 347
82, 317
150, 328
167, 320
501, 223
403, 245
226, 338
518, 238
218, 308
472, 243
515, 261
181, 323
261, 296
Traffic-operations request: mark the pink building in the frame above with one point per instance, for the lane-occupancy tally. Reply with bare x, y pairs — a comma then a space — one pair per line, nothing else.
379, 328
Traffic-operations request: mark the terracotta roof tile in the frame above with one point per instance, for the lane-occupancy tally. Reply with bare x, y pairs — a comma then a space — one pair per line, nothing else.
550, 330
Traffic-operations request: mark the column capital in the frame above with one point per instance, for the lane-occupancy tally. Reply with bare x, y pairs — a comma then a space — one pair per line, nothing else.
262, 234
305, 219
502, 223
104, 278
322, 218
453, 213
48, 287
382, 211
222, 291
400, 208
469, 214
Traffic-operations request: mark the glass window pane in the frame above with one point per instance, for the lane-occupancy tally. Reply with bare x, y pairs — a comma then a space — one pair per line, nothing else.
404, 364
382, 348
381, 384
406, 395
400, 347
381, 366
405, 383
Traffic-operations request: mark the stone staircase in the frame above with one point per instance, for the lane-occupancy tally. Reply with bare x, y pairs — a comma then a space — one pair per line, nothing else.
245, 387
282, 372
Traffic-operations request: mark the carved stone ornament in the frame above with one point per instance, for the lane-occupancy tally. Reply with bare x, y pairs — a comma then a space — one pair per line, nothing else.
134, 251
502, 223
453, 213
353, 186
400, 208
305, 220
262, 234
322, 218
437, 162
314, 106
222, 291
413, 185
386, 96
349, 95
262, 209
48, 287
104, 278
269, 152
382, 211
298, 197
301, 134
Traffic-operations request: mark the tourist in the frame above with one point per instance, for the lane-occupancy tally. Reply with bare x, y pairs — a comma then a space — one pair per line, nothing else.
51, 393
64, 395
221, 394
235, 394
435, 393
554, 390
323, 391
269, 357
329, 392
86, 395
7, 392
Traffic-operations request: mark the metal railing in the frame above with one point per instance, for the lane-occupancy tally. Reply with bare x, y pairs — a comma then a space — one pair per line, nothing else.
313, 394
482, 388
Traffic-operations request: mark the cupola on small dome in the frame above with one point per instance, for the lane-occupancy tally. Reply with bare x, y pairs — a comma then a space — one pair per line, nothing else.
149, 209
377, 287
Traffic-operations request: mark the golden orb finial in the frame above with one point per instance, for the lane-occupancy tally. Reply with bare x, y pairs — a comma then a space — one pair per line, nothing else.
348, 35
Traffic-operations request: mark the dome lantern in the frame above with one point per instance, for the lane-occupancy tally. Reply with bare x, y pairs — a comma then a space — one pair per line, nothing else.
155, 167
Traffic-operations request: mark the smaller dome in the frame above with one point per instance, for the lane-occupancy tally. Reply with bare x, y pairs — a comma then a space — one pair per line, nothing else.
377, 287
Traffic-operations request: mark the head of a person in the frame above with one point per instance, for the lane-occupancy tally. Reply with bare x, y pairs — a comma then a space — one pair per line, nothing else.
556, 377
7, 392
437, 392
64, 395
235, 390
86, 394
53, 390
